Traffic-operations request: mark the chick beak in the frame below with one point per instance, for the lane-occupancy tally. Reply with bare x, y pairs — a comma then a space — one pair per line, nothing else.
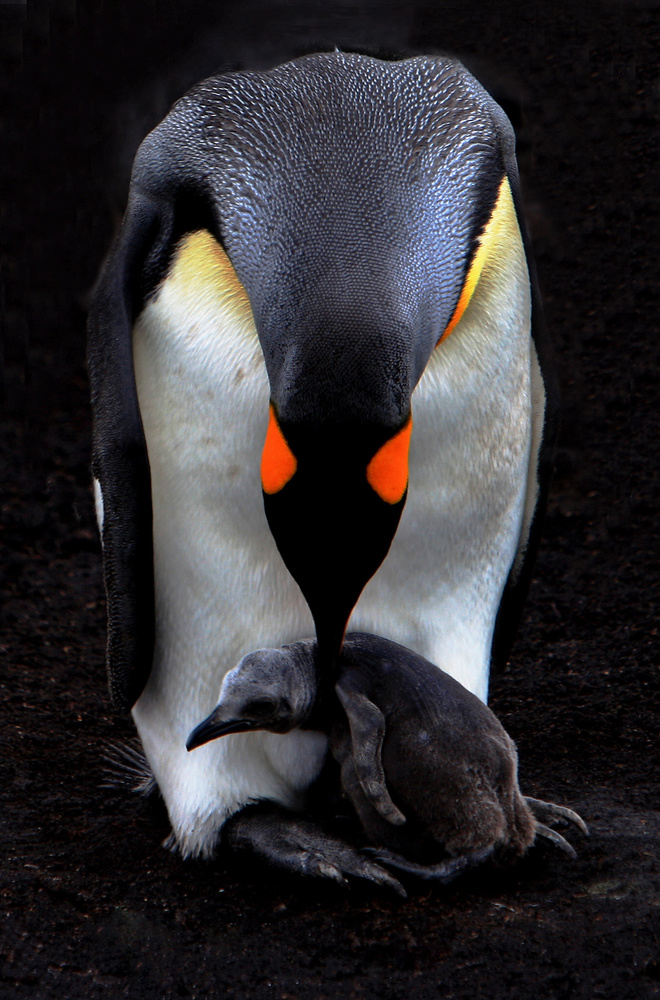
215, 726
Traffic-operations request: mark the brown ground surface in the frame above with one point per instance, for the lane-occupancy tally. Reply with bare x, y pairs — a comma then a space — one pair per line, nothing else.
92, 906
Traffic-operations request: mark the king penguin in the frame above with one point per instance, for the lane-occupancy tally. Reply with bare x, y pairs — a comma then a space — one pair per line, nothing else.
320, 395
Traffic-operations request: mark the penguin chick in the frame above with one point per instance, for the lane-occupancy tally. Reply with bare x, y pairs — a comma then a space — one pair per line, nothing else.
429, 769
278, 690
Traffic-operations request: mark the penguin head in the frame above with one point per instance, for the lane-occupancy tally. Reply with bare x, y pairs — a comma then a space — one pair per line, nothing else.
272, 689
354, 244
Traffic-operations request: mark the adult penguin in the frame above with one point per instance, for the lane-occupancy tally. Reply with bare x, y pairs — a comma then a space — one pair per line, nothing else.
311, 257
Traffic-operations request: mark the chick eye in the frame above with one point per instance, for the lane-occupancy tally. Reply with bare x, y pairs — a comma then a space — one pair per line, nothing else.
260, 708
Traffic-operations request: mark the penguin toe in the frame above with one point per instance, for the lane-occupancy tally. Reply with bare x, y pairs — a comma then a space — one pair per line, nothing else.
550, 812
556, 838
446, 871
328, 857
386, 879
326, 870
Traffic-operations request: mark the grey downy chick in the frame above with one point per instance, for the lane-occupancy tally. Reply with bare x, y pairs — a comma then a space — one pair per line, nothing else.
431, 772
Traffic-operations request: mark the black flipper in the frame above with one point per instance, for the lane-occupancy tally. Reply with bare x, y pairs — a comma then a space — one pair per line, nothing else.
367, 725
289, 842
120, 462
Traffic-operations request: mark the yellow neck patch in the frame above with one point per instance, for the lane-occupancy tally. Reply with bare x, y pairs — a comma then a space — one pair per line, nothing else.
387, 472
278, 463
496, 236
202, 263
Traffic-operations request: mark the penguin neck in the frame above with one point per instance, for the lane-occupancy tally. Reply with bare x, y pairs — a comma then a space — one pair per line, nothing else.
324, 676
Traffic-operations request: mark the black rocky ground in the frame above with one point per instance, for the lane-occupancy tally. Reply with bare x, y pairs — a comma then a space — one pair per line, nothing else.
92, 905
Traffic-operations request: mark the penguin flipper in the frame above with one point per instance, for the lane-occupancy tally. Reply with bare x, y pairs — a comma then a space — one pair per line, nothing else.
446, 871
287, 841
120, 463
367, 725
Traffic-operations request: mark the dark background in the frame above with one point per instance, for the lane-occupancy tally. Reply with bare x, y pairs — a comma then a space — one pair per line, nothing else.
91, 904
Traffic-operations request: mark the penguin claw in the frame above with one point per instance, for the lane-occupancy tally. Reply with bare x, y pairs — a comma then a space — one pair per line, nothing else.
326, 870
348, 859
550, 811
446, 871
384, 878
556, 838
296, 844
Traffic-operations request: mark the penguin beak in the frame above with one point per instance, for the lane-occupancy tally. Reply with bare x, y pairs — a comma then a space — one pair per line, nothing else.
215, 726
333, 500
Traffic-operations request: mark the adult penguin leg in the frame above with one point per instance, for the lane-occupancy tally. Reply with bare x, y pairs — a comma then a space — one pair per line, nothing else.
287, 841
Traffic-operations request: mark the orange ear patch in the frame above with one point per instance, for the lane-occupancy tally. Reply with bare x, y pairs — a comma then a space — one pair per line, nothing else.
387, 472
278, 463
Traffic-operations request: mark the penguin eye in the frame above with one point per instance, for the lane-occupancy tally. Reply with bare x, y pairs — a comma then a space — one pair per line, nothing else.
494, 239
260, 708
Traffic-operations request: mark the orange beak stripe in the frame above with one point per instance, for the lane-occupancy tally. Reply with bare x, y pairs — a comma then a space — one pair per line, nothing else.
278, 463
387, 472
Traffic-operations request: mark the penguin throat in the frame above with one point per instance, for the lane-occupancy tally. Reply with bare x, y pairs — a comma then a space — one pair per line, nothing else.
324, 703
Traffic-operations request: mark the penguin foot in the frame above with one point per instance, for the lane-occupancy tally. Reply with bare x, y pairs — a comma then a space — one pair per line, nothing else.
548, 812
446, 871
289, 842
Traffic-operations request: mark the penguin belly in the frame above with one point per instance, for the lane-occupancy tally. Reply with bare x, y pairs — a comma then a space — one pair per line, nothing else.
221, 588
478, 414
